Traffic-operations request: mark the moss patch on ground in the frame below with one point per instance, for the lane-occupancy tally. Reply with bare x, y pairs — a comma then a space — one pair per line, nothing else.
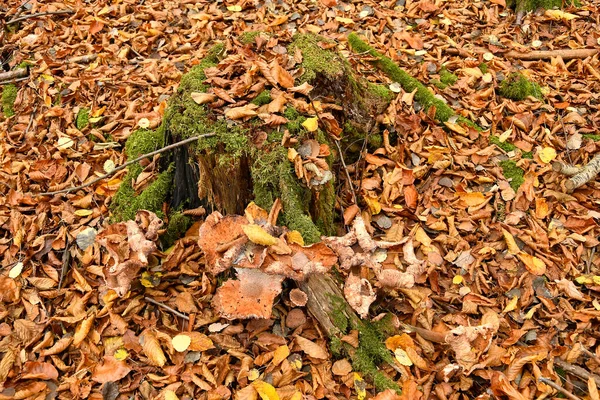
595, 138
423, 95
506, 146
83, 118
517, 87
512, 173
9, 96
447, 78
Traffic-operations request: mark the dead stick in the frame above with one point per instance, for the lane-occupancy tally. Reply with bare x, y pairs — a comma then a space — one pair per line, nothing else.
166, 307
587, 173
87, 58
17, 73
577, 371
561, 389
41, 14
565, 54
128, 163
565, 169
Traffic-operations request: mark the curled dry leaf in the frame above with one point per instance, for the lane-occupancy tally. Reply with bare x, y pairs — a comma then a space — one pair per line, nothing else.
202, 98
311, 348
359, 294
151, 348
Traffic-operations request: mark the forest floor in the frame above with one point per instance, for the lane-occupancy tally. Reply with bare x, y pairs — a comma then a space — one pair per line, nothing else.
507, 303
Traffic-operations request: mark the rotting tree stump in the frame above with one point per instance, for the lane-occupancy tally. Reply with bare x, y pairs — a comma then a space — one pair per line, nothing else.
251, 158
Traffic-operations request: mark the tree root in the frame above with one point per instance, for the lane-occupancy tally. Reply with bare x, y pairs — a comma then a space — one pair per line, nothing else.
579, 176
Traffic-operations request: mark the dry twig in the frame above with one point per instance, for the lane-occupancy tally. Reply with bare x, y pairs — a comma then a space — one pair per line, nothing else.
166, 307
40, 14
565, 54
128, 163
561, 389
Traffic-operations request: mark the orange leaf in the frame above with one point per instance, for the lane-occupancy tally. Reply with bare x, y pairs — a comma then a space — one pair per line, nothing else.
111, 370
532, 263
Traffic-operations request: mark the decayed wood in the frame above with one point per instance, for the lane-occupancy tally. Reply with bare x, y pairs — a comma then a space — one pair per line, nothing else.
579, 175
321, 291
565, 54
17, 73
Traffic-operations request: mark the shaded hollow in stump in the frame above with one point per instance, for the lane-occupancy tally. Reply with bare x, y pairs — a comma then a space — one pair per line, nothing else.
258, 105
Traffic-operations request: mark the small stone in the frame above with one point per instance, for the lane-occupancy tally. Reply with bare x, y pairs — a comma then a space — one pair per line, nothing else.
446, 182
383, 221
295, 16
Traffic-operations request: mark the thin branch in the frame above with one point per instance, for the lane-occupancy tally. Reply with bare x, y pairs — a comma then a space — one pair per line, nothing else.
576, 370
128, 163
17, 73
41, 14
565, 54
166, 307
561, 389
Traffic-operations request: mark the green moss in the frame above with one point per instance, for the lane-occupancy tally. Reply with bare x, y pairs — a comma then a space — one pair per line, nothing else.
336, 346
177, 226
512, 173
9, 96
447, 77
595, 138
427, 99
483, 67
532, 5
380, 91
249, 37
273, 177
295, 120
193, 81
528, 154
506, 146
438, 84
83, 118
126, 201
315, 59
263, 98
517, 87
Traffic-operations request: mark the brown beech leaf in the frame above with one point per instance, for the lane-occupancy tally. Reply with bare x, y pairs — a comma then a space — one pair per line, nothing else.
236, 113
110, 370
284, 78
39, 370
151, 348
311, 348
359, 294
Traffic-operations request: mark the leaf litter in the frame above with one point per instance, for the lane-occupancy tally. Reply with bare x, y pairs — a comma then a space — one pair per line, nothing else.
468, 238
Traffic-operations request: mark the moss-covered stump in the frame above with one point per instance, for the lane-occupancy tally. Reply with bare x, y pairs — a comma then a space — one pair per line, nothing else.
532, 5
245, 160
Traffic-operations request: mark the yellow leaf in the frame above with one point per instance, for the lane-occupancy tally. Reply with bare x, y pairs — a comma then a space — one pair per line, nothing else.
455, 127
402, 357
584, 280
505, 135
121, 354
559, 14
373, 203
295, 237
457, 280
253, 374
511, 305
16, 270
297, 396
181, 342
421, 237
596, 304
280, 354
265, 390
148, 280
344, 20
64, 143
360, 386
533, 264
541, 208
513, 248
258, 235
170, 395
235, 8
109, 166
311, 124
83, 213
547, 154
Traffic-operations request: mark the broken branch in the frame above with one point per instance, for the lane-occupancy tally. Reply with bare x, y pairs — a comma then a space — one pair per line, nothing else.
166, 307
41, 14
576, 370
17, 73
565, 54
561, 389
128, 163
584, 175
